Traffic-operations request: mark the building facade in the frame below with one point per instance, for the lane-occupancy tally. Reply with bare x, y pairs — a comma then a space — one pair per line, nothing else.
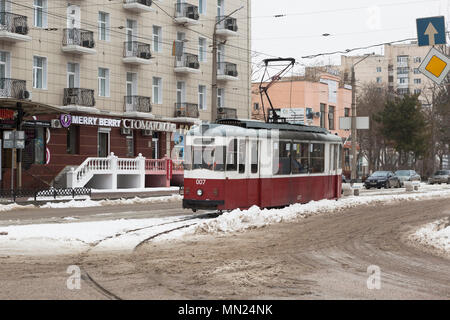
397, 69
131, 75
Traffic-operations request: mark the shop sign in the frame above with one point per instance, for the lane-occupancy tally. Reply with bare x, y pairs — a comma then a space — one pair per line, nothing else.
6, 114
36, 123
14, 139
118, 123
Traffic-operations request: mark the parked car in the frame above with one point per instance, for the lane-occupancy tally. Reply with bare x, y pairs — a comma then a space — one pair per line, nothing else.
407, 175
440, 176
382, 179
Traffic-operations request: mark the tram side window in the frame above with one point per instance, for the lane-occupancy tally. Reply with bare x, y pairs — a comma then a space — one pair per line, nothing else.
284, 158
317, 158
335, 156
299, 158
219, 159
340, 157
254, 156
232, 155
241, 156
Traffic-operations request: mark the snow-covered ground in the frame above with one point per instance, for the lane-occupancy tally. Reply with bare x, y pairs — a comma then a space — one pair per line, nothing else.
435, 235
73, 237
88, 203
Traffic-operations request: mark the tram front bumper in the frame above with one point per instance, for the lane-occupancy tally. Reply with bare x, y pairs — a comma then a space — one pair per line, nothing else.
202, 204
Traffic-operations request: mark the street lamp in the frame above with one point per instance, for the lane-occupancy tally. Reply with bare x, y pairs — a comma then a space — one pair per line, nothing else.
353, 127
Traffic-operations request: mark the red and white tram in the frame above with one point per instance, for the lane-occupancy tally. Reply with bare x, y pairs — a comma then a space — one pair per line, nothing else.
238, 164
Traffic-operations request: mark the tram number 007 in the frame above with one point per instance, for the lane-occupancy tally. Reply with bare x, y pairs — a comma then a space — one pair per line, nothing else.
200, 182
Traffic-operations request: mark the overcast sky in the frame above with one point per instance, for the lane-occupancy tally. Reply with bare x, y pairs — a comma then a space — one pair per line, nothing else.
350, 23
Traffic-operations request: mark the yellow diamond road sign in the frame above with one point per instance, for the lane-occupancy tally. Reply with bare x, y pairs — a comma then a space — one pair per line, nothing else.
435, 66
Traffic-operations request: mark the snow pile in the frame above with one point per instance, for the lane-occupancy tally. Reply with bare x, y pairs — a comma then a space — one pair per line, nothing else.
90, 203
240, 220
435, 235
14, 206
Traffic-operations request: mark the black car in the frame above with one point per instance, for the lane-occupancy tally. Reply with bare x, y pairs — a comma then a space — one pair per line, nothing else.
382, 179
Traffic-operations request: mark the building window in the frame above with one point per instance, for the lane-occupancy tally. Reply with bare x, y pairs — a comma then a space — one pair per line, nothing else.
322, 115
39, 72
4, 67
331, 118
73, 75
202, 6
103, 82
417, 59
378, 69
202, 97
256, 106
40, 13
417, 81
417, 91
402, 70
346, 112
157, 39
403, 80
103, 26
130, 144
379, 80
402, 59
416, 71
157, 90
73, 139
220, 98
202, 49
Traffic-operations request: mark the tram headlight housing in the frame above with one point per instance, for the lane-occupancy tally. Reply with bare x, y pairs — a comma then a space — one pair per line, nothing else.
199, 192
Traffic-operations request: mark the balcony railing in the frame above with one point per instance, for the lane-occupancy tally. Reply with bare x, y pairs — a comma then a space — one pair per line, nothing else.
188, 110
137, 104
227, 23
187, 60
13, 23
147, 3
227, 69
12, 88
79, 97
186, 10
78, 37
135, 49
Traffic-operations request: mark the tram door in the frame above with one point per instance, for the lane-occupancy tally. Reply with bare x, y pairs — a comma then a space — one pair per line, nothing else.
332, 180
254, 186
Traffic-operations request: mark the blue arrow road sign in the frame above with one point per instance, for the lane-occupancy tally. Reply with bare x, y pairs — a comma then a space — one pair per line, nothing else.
431, 31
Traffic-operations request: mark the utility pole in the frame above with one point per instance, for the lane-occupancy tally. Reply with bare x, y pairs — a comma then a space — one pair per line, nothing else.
214, 67
354, 174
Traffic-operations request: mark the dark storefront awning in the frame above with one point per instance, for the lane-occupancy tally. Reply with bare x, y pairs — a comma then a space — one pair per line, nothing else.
30, 108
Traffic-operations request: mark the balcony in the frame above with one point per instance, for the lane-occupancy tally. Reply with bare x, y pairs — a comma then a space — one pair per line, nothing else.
13, 27
79, 97
135, 52
226, 113
138, 6
227, 71
137, 104
13, 89
227, 27
187, 63
186, 110
186, 14
78, 41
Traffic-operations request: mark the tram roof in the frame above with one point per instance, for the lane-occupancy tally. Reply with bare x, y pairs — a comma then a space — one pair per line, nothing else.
249, 124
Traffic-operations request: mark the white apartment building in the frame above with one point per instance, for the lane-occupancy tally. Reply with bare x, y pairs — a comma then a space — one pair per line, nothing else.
397, 69
121, 60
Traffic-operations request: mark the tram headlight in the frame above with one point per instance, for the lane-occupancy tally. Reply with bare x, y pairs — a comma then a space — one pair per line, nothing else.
199, 192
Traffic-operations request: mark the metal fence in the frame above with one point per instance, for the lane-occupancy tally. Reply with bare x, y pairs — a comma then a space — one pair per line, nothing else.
137, 49
138, 104
12, 88
79, 97
186, 10
227, 23
184, 109
227, 69
16, 194
78, 37
144, 2
13, 23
